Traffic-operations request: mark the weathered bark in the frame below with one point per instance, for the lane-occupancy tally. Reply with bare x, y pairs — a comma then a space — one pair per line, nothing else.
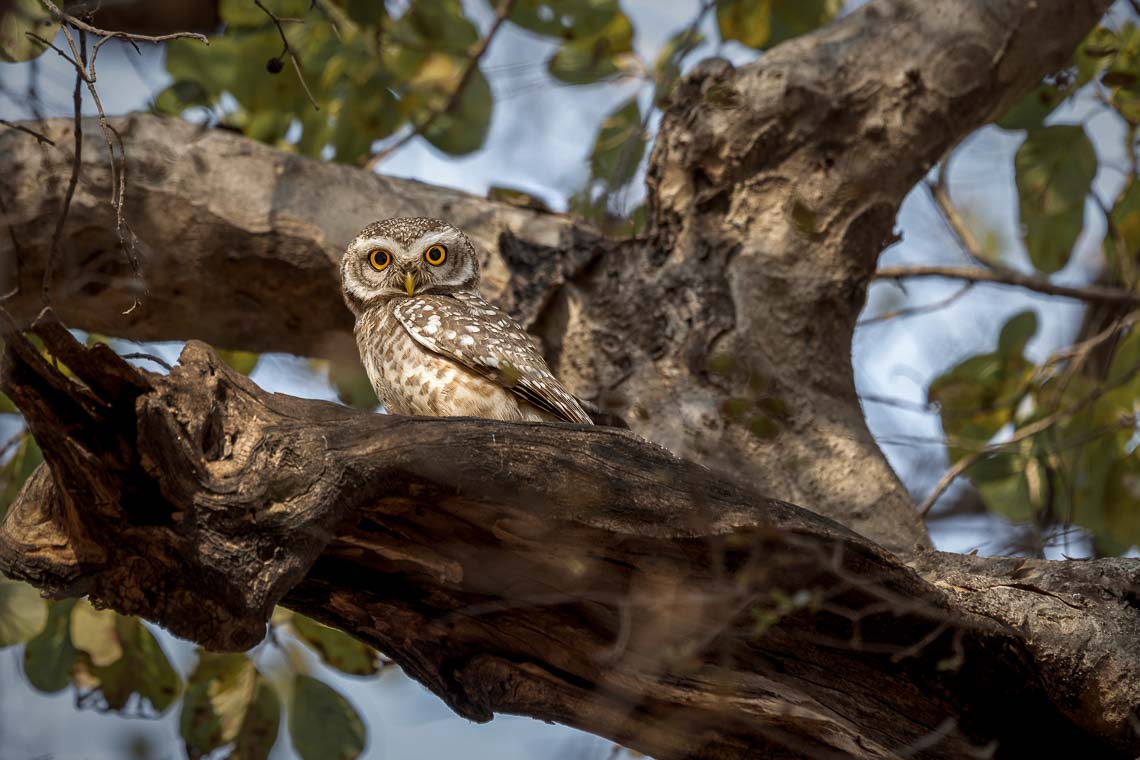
572, 574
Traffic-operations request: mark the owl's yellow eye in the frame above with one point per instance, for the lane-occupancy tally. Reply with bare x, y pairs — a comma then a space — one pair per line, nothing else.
379, 259
435, 255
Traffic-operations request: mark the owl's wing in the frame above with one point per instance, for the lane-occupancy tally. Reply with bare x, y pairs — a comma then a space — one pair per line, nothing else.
487, 340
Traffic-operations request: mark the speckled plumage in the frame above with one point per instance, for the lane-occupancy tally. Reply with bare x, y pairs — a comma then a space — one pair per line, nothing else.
443, 351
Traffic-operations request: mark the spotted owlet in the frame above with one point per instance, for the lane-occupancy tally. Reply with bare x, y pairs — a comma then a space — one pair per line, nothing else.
429, 343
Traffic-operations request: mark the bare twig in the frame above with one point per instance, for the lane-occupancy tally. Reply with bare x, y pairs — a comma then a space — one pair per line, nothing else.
1088, 293
940, 194
288, 50
477, 53
41, 139
60, 16
914, 311
76, 162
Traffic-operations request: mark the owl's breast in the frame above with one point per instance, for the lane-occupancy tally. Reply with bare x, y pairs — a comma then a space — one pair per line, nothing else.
410, 379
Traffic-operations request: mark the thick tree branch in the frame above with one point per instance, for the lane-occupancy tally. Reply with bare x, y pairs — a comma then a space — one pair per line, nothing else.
572, 574
238, 242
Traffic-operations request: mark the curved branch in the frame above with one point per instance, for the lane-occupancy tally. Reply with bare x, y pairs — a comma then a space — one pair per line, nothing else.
569, 573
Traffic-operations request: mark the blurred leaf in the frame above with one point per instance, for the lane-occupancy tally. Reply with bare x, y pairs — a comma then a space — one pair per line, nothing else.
93, 631
1016, 333
352, 384
667, 69
228, 702
365, 12
1122, 502
619, 146
17, 469
979, 396
6, 405
142, 667
760, 23
1125, 359
180, 97
1031, 110
568, 19
240, 361
1125, 217
591, 59
746, 21
1002, 484
362, 121
1055, 168
23, 612
336, 648
463, 129
441, 23
50, 656
245, 13
21, 18
323, 725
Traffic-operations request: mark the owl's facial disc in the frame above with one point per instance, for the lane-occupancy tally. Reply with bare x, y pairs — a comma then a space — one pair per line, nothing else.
402, 258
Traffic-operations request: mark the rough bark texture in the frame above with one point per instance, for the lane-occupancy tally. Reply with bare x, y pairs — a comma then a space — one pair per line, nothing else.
574, 574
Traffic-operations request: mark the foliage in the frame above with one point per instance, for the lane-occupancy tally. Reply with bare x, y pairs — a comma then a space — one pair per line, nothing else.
1068, 423
378, 71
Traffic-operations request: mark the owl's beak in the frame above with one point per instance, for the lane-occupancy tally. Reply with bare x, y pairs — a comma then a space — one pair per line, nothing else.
410, 284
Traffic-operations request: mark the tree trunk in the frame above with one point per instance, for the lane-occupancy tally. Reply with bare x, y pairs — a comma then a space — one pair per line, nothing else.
584, 576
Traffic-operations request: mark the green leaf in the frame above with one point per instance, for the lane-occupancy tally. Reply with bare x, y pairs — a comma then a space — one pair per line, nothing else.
591, 59
1031, 110
240, 361
228, 702
17, 469
746, 22
667, 69
1016, 333
439, 23
760, 23
6, 405
246, 13
1055, 168
362, 121
366, 12
23, 612
619, 146
463, 129
568, 19
979, 396
1002, 484
1125, 359
323, 725
50, 657
352, 385
1122, 502
24, 17
181, 96
336, 648
141, 668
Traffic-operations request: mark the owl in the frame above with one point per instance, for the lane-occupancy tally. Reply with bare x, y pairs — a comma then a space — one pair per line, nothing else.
429, 343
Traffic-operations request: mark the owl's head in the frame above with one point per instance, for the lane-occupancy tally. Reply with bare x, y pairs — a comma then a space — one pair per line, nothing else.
406, 256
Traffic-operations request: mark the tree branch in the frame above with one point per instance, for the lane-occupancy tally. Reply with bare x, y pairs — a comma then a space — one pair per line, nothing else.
569, 573
1088, 293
